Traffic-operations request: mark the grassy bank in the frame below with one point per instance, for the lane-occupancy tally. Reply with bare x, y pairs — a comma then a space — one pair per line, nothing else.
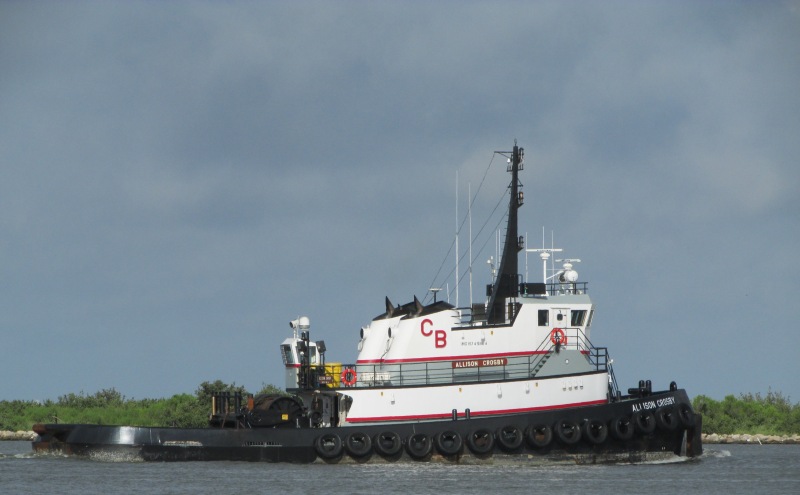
770, 415
109, 407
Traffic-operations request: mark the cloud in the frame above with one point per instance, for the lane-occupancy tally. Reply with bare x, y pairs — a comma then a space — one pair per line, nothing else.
180, 179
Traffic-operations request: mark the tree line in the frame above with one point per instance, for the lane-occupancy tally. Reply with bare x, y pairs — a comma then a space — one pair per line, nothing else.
772, 414
110, 407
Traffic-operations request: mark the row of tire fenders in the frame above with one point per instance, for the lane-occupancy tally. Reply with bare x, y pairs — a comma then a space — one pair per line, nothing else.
509, 439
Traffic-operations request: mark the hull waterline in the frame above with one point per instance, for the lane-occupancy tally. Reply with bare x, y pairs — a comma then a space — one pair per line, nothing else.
301, 445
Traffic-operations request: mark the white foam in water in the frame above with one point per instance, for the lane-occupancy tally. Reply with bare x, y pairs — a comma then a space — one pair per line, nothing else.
670, 459
47, 453
105, 456
523, 460
715, 453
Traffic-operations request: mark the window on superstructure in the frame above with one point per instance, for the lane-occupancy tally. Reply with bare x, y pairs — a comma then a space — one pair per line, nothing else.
312, 354
544, 317
578, 317
286, 352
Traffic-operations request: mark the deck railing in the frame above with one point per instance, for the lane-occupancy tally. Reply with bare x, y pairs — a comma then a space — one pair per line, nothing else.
470, 370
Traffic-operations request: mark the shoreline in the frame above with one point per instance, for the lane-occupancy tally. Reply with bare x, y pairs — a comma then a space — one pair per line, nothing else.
708, 438
744, 438
17, 435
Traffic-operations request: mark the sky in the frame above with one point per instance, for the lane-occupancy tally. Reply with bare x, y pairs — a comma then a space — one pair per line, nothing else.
179, 180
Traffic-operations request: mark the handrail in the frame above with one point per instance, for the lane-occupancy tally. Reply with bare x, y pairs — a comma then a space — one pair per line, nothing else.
561, 289
481, 370
601, 360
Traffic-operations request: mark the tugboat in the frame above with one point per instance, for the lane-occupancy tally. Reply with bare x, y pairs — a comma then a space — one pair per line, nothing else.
516, 375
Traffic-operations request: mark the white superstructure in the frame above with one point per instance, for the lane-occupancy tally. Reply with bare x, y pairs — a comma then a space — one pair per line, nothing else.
525, 349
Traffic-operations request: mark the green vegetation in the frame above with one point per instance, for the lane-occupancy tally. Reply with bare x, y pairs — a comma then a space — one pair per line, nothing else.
773, 414
109, 407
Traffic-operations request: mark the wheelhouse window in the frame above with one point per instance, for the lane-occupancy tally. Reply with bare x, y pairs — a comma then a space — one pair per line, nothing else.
288, 356
544, 317
312, 354
578, 317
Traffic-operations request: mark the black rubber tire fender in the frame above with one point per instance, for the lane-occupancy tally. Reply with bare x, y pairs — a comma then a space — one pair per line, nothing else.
448, 443
328, 446
387, 444
645, 422
419, 446
622, 428
358, 444
666, 419
567, 432
595, 431
686, 415
509, 438
480, 441
539, 436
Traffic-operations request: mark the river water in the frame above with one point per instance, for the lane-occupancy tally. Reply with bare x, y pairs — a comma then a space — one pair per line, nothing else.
723, 469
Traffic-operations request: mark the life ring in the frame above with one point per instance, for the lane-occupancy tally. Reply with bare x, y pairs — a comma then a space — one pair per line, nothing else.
539, 436
621, 428
509, 438
448, 443
645, 422
387, 444
358, 444
349, 377
480, 442
328, 446
595, 431
568, 432
557, 336
419, 446
666, 418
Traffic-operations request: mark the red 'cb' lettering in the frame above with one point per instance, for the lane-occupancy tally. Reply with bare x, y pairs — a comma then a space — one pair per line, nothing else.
425, 333
441, 339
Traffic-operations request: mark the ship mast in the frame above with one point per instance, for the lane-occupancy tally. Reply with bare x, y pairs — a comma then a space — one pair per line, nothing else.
506, 285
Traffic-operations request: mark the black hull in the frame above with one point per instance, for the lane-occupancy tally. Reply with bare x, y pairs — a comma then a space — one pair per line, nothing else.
452, 440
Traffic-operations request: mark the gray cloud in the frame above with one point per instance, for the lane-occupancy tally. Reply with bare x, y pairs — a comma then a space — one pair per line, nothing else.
180, 180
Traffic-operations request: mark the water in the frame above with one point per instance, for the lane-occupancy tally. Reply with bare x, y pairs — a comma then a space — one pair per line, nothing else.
723, 469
